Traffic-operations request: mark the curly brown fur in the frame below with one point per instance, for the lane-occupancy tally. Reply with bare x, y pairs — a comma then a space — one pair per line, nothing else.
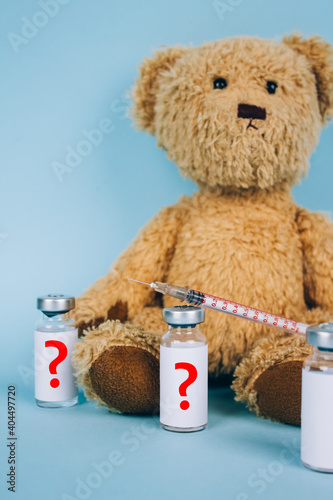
272, 351
127, 378
199, 127
241, 236
319, 54
97, 341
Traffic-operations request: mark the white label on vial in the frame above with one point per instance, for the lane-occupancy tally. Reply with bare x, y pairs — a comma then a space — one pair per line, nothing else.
317, 419
54, 378
183, 386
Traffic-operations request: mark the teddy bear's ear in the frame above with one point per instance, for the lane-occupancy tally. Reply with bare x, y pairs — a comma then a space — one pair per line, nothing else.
320, 55
146, 85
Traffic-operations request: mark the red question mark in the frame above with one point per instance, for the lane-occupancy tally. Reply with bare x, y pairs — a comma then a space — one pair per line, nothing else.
61, 356
192, 376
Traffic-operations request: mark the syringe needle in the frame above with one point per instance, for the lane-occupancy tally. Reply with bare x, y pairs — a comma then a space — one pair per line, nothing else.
177, 292
136, 281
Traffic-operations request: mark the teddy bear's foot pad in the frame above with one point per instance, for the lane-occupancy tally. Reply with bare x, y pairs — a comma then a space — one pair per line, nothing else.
126, 378
269, 379
279, 392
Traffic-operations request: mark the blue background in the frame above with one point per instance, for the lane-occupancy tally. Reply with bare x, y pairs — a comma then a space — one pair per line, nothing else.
69, 75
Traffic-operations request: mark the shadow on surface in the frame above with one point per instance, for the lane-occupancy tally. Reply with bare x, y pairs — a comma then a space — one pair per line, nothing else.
221, 401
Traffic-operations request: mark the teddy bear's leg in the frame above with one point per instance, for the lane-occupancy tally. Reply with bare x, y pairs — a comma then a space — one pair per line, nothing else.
118, 363
269, 379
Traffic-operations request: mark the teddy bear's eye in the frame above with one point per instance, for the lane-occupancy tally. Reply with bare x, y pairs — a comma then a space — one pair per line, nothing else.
271, 87
220, 83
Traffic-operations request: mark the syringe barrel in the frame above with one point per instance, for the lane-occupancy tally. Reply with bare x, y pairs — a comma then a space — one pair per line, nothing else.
194, 297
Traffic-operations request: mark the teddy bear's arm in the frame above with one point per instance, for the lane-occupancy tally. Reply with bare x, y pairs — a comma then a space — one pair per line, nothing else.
146, 259
316, 233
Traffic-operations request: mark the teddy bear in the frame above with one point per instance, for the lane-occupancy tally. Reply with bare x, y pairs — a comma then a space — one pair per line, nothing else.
240, 117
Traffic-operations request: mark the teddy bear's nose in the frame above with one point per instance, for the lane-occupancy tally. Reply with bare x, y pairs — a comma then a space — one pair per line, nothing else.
251, 111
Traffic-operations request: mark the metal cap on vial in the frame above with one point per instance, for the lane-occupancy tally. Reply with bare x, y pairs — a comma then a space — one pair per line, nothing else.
320, 335
56, 303
183, 315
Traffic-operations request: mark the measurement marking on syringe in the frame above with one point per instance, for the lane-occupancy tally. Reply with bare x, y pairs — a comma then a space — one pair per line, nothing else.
257, 315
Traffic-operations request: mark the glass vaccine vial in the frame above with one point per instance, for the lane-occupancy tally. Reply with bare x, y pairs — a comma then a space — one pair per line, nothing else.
55, 336
317, 400
183, 371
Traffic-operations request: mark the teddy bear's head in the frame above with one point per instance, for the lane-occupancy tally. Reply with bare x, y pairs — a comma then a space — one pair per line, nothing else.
241, 112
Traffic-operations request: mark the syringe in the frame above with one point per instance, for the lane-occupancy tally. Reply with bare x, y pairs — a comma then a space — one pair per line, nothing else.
227, 306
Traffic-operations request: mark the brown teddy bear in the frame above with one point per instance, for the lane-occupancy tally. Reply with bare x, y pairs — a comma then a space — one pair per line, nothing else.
240, 117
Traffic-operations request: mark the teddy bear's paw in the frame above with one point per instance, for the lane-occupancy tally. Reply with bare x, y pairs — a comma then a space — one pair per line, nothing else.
269, 380
126, 379
118, 366
278, 392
